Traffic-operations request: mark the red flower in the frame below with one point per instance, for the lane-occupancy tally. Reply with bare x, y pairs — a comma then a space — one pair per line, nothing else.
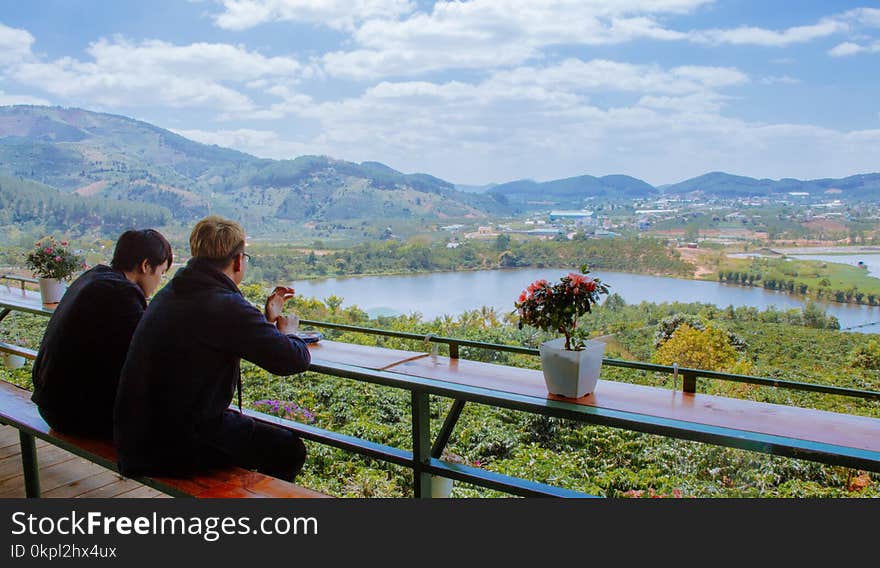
557, 307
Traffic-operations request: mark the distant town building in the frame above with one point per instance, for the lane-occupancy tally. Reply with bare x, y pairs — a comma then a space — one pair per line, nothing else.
570, 215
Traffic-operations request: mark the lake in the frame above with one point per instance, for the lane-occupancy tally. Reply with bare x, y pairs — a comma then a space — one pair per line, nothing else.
435, 294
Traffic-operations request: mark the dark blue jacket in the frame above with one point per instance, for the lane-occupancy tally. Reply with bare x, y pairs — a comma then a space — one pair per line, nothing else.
83, 348
183, 367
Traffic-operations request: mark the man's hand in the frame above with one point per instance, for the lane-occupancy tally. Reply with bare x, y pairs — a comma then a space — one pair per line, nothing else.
275, 303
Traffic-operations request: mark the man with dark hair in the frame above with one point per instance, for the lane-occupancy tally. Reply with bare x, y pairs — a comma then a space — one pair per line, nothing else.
76, 372
172, 412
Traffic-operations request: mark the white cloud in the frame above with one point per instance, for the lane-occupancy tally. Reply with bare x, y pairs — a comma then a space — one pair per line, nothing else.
125, 74
15, 45
496, 33
845, 48
780, 80
869, 17
338, 14
501, 127
748, 35
849, 48
262, 143
9, 99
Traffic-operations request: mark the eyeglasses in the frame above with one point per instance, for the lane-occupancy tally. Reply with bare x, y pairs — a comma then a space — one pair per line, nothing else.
246, 256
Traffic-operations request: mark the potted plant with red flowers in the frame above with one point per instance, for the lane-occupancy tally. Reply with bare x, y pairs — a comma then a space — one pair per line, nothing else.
53, 264
570, 364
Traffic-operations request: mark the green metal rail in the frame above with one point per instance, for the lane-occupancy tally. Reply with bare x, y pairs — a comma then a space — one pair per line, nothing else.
689, 376
22, 280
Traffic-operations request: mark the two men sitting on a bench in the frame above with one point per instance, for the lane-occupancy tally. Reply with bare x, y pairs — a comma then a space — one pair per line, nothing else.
171, 413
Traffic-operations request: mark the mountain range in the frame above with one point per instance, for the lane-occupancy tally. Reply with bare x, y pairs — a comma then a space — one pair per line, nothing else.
113, 158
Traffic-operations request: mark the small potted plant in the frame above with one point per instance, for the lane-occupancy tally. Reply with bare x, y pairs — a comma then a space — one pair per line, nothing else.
570, 364
53, 263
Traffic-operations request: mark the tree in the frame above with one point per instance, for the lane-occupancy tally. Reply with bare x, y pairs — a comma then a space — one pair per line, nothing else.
866, 356
333, 302
502, 242
708, 349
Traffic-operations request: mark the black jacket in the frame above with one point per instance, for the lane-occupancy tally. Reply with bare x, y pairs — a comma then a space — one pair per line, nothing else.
83, 348
183, 366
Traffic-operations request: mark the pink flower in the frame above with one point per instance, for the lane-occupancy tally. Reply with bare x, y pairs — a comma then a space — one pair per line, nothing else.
57, 259
64, 243
47, 250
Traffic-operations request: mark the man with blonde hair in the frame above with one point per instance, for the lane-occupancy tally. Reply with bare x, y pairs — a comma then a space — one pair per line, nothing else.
172, 412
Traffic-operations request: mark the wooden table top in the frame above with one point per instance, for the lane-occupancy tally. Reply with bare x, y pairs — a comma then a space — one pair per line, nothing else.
774, 419
366, 356
23, 300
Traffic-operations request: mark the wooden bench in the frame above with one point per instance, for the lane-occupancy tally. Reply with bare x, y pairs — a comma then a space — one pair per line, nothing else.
17, 410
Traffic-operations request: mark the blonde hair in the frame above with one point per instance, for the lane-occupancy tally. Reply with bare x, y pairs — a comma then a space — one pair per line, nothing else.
216, 238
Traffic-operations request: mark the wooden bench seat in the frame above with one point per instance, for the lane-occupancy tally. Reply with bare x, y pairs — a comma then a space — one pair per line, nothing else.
17, 410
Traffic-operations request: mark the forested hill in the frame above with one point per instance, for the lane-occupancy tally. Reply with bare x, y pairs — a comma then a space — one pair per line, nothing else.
719, 184
572, 191
95, 154
23, 202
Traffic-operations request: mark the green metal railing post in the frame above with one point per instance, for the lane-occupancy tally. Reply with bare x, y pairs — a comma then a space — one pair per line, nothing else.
421, 434
29, 465
688, 383
447, 428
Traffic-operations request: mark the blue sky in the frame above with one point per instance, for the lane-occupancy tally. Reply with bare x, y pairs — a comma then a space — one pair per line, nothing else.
475, 91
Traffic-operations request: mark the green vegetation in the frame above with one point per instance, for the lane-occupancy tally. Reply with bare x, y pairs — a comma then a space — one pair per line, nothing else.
24, 203
277, 263
815, 279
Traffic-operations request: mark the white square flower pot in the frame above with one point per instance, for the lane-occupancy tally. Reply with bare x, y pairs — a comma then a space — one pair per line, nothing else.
13, 361
51, 290
441, 487
571, 374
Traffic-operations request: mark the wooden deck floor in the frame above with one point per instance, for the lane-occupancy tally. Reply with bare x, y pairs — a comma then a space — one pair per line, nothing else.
62, 474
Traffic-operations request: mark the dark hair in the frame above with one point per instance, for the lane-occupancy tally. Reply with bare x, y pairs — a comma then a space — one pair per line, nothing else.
135, 246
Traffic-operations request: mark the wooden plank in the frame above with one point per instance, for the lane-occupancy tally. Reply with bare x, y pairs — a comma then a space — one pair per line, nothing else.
10, 444
11, 466
366, 356
775, 419
15, 488
77, 487
52, 476
142, 492
111, 489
